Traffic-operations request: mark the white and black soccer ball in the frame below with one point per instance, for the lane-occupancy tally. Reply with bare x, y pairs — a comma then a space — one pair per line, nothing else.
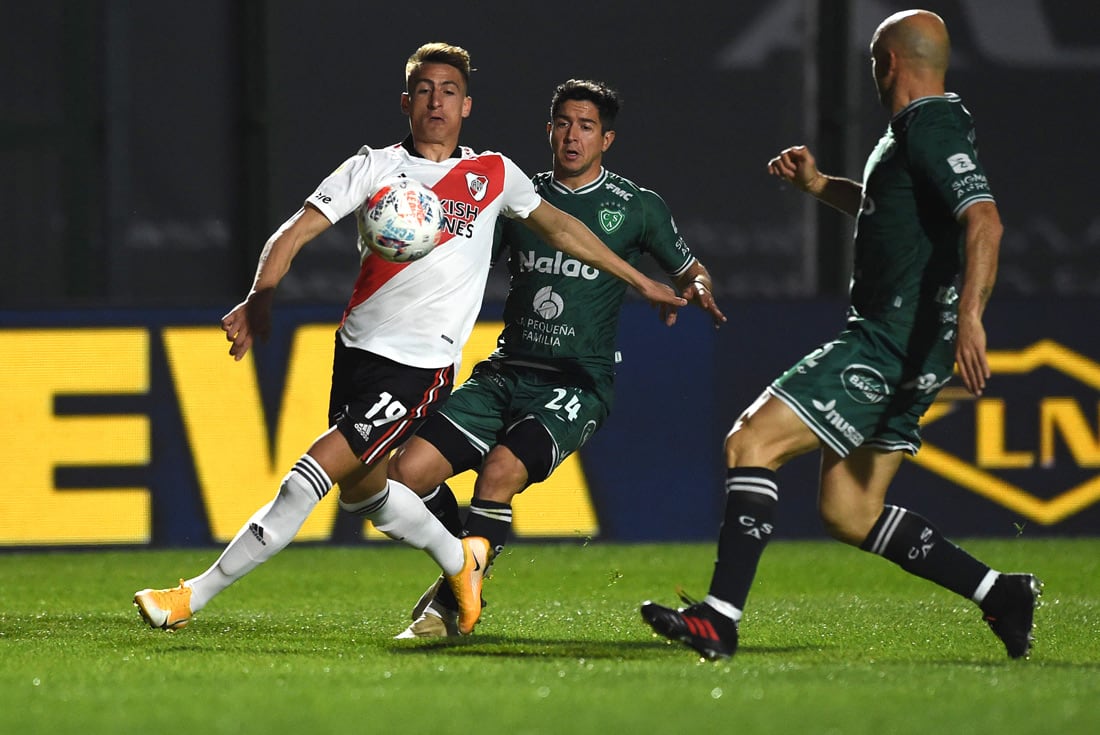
402, 221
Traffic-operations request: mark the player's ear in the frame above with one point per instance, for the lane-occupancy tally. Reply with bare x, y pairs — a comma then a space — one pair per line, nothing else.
608, 139
892, 62
406, 103
466, 105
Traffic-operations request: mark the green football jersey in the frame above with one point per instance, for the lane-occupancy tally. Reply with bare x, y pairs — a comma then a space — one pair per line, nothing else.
909, 244
563, 314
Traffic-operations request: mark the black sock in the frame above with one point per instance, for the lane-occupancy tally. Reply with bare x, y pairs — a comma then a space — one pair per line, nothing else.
486, 518
490, 519
751, 496
916, 546
444, 506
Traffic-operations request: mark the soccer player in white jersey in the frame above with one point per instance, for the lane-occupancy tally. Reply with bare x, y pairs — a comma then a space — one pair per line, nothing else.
549, 385
393, 365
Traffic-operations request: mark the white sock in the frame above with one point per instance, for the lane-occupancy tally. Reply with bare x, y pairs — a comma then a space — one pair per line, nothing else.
985, 585
399, 513
266, 533
723, 608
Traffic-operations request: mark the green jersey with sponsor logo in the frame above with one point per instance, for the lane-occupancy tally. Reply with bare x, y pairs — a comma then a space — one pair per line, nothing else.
563, 314
871, 385
909, 244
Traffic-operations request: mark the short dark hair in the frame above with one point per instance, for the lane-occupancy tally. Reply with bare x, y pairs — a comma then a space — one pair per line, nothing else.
439, 53
602, 96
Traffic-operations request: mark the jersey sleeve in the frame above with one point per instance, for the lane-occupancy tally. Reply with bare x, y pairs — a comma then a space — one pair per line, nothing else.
345, 188
662, 240
941, 151
520, 197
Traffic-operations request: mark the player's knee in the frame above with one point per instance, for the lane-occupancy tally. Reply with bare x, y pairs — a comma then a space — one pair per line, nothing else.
527, 450
502, 477
733, 450
421, 471
848, 525
403, 469
840, 530
742, 449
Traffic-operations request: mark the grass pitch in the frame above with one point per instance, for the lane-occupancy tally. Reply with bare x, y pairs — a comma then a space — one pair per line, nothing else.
835, 641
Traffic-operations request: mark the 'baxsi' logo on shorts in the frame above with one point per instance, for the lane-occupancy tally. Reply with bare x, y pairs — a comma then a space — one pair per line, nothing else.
864, 384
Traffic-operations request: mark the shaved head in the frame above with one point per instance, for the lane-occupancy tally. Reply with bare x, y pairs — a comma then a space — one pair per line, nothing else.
909, 55
916, 36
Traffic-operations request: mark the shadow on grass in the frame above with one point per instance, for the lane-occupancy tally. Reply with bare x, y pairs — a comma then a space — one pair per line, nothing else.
1036, 661
504, 647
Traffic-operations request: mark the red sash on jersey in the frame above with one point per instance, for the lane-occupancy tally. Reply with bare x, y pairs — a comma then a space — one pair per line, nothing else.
477, 181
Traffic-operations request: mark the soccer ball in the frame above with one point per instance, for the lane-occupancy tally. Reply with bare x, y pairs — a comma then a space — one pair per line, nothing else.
402, 221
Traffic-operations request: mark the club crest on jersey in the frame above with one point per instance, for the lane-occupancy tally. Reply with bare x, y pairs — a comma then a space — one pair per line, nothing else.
611, 219
478, 185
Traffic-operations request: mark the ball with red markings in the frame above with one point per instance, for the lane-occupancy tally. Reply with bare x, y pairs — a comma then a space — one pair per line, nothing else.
401, 221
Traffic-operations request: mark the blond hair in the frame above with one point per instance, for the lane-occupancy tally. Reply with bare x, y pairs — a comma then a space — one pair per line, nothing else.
439, 53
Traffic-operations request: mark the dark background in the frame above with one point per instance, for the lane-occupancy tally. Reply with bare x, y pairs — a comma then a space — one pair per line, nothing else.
147, 149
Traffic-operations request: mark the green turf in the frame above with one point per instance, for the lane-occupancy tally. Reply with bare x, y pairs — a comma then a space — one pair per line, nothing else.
835, 641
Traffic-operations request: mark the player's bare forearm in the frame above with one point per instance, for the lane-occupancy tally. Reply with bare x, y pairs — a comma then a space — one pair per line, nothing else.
983, 230
251, 319
280, 249
796, 165
983, 241
839, 193
567, 233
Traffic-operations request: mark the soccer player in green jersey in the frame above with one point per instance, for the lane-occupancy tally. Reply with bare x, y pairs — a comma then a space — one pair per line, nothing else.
548, 386
924, 217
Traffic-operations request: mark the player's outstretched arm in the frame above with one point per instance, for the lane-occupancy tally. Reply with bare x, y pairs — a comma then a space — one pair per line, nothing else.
251, 319
567, 233
983, 244
796, 165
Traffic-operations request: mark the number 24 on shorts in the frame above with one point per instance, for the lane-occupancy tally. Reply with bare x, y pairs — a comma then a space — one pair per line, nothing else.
571, 407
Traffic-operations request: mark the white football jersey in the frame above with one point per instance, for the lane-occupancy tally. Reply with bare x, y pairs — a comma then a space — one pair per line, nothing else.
422, 312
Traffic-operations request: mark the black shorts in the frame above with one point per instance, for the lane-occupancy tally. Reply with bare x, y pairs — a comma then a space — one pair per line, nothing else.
377, 403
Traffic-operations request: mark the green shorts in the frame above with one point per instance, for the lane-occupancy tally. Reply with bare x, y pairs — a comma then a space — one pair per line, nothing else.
862, 389
499, 395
